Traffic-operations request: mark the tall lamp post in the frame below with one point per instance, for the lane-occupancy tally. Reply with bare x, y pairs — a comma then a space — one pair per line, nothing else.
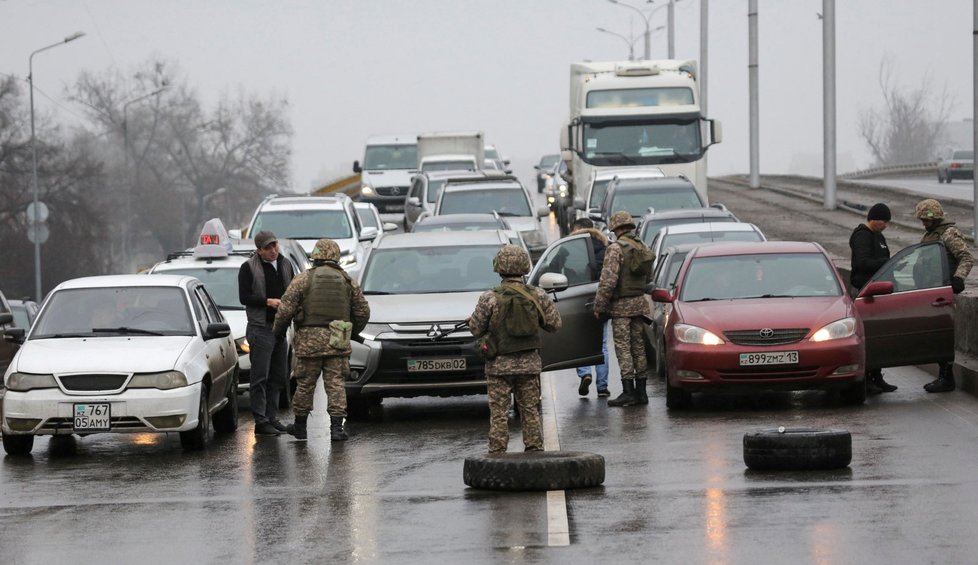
630, 42
36, 224
125, 167
648, 25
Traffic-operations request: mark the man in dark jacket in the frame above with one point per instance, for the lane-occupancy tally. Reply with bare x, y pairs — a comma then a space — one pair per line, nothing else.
869, 253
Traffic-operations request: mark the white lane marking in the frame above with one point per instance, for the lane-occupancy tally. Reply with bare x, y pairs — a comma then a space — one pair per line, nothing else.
558, 531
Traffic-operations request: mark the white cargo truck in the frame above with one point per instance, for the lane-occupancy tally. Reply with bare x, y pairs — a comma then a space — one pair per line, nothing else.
635, 114
444, 151
389, 163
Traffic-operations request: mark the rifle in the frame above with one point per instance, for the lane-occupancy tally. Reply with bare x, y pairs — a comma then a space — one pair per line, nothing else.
437, 334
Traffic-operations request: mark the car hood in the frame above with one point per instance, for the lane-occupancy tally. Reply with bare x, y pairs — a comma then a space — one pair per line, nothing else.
346, 245
122, 354
422, 308
726, 315
392, 177
522, 223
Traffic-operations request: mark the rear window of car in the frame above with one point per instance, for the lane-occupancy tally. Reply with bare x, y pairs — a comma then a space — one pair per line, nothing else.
304, 224
964, 155
508, 202
710, 236
759, 276
652, 227
638, 202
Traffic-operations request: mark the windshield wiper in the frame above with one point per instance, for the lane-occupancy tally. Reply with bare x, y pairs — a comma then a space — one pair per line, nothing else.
375, 292
48, 336
771, 296
621, 156
125, 330
509, 214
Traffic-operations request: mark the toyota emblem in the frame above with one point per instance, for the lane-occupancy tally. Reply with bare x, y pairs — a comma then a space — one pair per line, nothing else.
766, 333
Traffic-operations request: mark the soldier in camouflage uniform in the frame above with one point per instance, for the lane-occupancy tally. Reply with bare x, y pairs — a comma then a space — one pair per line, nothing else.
938, 228
515, 368
329, 308
621, 294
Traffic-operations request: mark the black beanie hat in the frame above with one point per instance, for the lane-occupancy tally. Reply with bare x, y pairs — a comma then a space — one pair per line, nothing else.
879, 211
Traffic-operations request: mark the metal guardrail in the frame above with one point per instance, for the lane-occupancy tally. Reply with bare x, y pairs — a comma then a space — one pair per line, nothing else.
347, 185
889, 170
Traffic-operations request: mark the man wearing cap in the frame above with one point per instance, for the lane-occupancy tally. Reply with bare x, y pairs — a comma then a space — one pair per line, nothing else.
938, 228
621, 295
262, 281
869, 253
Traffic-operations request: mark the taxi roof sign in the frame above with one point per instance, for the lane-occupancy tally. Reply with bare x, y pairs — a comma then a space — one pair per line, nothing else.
213, 240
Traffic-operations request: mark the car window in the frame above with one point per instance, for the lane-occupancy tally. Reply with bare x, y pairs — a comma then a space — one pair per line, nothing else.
711, 236
916, 268
429, 225
668, 270
637, 202
964, 155
548, 161
506, 201
430, 270
416, 185
114, 311
367, 218
304, 224
381, 157
448, 166
598, 190
434, 189
652, 226
221, 283
759, 276
573, 259
213, 314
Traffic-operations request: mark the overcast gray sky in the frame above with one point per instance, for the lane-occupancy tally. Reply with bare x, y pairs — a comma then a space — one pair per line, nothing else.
352, 68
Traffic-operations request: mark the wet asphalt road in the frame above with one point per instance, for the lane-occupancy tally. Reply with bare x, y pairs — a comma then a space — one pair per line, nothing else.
676, 488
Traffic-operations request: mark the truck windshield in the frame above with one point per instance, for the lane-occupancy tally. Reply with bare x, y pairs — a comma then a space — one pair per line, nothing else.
631, 97
382, 157
651, 143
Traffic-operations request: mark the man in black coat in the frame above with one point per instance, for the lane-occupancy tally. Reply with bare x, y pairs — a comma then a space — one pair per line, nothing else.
869, 253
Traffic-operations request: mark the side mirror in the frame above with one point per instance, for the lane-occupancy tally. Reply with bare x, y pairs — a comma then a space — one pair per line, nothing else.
234, 234
876, 288
543, 211
579, 204
650, 287
369, 234
390, 226
220, 329
508, 171
553, 282
414, 201
595, 215
6, 318
662, 295
537, 167
716, 132
505, 161
356, 167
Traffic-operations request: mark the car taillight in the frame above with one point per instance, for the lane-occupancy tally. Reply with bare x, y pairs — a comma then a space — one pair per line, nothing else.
955, 165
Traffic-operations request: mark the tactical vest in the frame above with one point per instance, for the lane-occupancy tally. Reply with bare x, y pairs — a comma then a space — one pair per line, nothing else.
520, 320
328, 297
636, 265
937, 234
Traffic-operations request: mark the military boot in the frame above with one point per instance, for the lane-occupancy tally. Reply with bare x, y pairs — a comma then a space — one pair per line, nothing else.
627, 396
883, 385
336, 431
641, 394
297, 429
944, 381
871, 386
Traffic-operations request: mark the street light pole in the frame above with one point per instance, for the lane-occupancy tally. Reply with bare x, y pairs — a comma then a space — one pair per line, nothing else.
36, 224
630, 42
648, 25
125, 167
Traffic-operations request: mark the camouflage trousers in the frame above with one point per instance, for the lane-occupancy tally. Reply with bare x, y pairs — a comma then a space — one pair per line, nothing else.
527, 391
629, 337
334, 370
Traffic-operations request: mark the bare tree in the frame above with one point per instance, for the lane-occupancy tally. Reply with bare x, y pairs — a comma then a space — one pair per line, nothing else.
909, 127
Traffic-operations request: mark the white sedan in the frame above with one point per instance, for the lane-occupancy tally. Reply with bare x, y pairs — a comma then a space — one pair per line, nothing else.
122, 354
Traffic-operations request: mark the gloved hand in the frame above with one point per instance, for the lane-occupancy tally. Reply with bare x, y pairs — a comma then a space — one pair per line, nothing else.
957, 284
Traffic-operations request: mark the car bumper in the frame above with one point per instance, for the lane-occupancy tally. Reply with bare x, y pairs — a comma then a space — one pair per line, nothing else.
133, 411
386, 203
820, 366
384, 370
960, 173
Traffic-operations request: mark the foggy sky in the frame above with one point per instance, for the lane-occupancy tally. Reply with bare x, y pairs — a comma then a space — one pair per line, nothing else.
353, 68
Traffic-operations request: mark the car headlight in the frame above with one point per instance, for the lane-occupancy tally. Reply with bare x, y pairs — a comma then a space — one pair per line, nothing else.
242, 344
563, 190
367, 190
533, 238
836, 330
373, 330
693, 334
162, 381
22, 382
550, 199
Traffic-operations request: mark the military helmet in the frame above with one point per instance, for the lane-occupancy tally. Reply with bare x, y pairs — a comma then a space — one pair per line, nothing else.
929, 209
621, 219
511, 260
326, 250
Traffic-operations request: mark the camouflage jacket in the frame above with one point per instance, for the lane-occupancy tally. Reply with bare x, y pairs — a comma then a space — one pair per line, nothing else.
627, 307
486, 317
314, 341
957, 247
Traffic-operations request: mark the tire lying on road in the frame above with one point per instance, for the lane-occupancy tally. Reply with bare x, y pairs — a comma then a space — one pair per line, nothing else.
535, 470
797, 449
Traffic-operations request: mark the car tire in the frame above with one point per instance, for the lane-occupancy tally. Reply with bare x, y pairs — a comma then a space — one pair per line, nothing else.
534, 470
226, 419
797, 449
285, 396
358, 408
677, 398
18, 444
854, 395
196, 439
947, 179
660, 361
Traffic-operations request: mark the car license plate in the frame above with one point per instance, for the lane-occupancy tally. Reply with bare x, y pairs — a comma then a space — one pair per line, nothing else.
769, 358
92, 417
435, 365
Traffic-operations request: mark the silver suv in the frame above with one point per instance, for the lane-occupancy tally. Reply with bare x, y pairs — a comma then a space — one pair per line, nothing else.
307, 219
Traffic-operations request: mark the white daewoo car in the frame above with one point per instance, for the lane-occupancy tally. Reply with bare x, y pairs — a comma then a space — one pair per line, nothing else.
122, 354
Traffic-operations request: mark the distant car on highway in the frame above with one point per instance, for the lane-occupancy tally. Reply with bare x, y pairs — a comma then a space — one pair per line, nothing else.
543, 169
370, 218
423, 193
702, 233
956, 164
653, 221
638, 195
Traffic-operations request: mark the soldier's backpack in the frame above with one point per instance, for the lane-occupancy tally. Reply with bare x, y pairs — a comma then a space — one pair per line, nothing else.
521, 314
